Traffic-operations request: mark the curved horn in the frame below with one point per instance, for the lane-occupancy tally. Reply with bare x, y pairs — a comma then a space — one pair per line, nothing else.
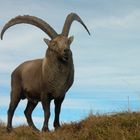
31, 20
70, 18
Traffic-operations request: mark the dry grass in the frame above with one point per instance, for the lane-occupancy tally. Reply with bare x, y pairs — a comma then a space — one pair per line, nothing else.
121, 126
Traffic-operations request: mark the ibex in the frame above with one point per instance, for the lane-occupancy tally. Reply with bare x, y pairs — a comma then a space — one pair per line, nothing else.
43, 79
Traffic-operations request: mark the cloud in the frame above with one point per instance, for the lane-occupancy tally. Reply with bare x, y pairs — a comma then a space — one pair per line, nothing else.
5, 100
128, 21
68, 103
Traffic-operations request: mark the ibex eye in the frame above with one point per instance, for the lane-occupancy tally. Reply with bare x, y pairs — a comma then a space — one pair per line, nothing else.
53, 44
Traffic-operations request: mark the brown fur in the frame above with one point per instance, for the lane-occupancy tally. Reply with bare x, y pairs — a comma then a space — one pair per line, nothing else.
50, 77
43, 79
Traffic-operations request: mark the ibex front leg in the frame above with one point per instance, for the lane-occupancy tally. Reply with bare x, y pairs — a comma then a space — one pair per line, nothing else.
46, 107
58, 103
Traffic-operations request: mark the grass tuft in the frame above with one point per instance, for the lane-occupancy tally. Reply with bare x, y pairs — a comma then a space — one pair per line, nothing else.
120, 126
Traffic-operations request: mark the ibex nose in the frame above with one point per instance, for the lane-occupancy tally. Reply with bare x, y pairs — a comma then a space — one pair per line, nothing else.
66, 50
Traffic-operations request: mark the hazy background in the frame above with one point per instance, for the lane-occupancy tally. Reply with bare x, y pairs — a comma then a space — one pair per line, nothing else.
107, 63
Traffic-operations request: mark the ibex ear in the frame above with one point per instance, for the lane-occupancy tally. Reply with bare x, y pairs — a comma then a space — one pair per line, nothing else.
71, 38
47, 41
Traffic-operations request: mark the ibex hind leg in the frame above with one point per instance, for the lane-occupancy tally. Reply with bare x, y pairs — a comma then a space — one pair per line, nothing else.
15, 98
28, 114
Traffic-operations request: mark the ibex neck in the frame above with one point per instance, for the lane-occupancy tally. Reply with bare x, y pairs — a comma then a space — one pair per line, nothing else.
57, 76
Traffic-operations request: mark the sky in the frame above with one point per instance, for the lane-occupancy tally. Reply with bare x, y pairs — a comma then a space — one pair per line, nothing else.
107, 63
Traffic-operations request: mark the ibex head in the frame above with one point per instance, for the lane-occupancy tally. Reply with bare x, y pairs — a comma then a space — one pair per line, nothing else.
61, 46
59, 43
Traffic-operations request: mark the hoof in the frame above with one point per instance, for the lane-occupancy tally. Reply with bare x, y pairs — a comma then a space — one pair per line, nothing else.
57, 127
45, 129
35, 129
8, 129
